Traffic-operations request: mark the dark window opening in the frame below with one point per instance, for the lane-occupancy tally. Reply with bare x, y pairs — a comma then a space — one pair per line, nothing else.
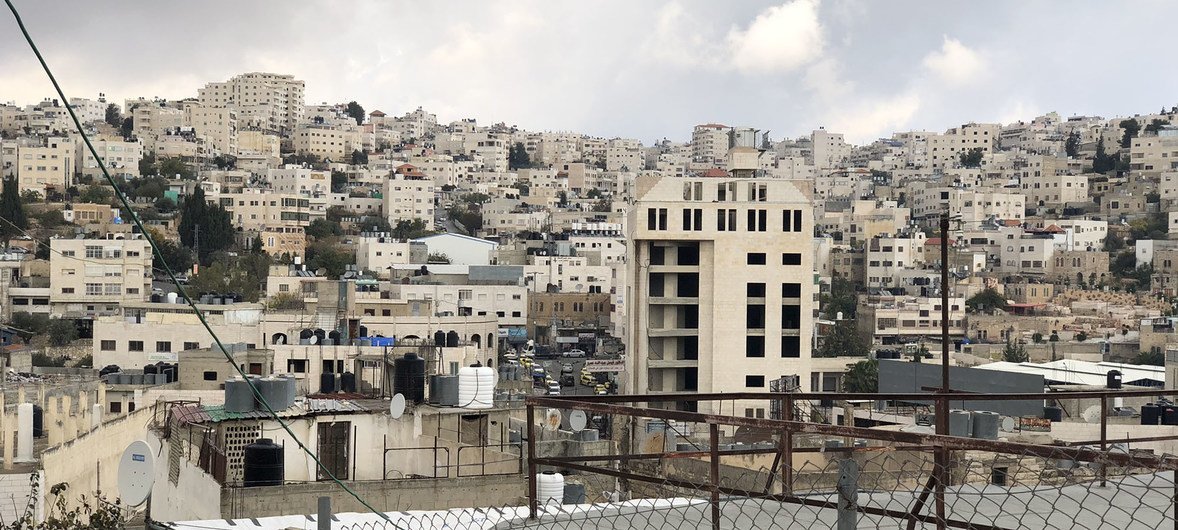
658, 255
791, 346
687, 285
754, 381
791, 317
687, 254
791, 258
656, 283
754, 346
755, 316
791, 290
756, 258
755, 290
210, 376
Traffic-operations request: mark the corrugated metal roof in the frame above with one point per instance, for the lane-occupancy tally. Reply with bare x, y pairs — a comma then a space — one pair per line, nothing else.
309, 407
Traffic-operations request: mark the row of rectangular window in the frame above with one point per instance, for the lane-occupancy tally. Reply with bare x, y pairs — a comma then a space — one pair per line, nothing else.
791, 346
788, 290
791, 317
787, 258
137, 345
757, 220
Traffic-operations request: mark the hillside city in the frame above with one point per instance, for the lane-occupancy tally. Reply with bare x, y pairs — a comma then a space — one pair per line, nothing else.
356, 255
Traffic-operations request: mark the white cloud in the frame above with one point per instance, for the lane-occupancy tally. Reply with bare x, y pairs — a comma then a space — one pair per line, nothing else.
955, 63
825, 79
781, 38
864, 122
682, 39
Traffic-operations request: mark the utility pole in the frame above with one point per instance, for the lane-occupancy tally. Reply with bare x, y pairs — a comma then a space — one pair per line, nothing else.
196, 247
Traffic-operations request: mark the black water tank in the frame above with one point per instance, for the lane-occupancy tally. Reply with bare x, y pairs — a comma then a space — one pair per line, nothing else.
440, 338
452, 339
263, 464
1169, 415
409, 377
347, 382
1054, 414
1151, 414
1114, 379
38, 421
150, 369
327, 383
108, 369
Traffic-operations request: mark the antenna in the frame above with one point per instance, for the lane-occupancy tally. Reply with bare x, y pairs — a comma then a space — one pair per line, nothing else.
552, 420
136, 473
397, 406
578, 420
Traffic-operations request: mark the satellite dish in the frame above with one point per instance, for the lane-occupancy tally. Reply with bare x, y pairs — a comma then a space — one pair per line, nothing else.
397, 406
321, 272
552, 420
136, 473
1091, 414
578, 420
1008, 424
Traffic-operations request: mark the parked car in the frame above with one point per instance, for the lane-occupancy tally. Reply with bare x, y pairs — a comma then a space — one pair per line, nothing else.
575, 354
553, 389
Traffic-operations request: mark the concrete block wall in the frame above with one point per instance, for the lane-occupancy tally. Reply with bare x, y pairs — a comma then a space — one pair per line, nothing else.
15, 490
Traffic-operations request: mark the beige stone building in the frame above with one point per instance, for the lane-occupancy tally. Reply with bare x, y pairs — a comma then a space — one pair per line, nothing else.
217, 126
1075, 267
904, 319
49, 166
694, 245
120, 157
408, 194
709, 144
267, 101
944, 150
92, 277
335, 143
146, 332
254, 209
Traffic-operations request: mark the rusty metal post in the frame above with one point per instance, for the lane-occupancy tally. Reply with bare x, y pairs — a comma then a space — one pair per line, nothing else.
941, 457
714, 481
1102, 465
533, 506
787, 470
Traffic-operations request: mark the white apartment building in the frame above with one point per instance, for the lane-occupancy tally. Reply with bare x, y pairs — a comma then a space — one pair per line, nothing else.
152, 120
49, 166
256, 209
695, 244
272, 102
89, 110
945, 150
829, 149
509, 303
217, 126
568, 274
865, 219
92, 277
327, 142
1152, 155
301, 181
888, 257
378, 252
1055, 190
709, 144
1079, 234
408, 195
121, 158
147, 332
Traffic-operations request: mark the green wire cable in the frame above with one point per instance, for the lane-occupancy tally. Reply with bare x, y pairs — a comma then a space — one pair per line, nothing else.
172, 275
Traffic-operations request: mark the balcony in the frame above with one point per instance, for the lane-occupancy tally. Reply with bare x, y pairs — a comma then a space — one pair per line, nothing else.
672, 332
673, 300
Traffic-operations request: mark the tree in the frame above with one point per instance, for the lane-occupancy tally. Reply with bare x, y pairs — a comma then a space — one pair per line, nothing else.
147, 165
843, 341
113, 116
1152, 197
30, 196
332, 259
50, 218
1131, 127
1071, 146
1152, 226
1152, 358
321, 228
256, 245
375, 223
285, 302
356, 112
359, 158
410, 229
1102, 162
972, 158
1015, 352
339, 180
517, 157
985, 300
13, 210
1155, 125
1081, 336
225, 161
208, 228
562, 199
87, 513
593, 193
842, 298
127, 128
1037, 337
173, 167
29, 325
862, 377
96, 195
61, 331
245, 275
164, 205
1113, 242
177, 258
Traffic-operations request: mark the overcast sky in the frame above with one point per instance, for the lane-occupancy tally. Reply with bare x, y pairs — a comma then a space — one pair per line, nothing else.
645, 70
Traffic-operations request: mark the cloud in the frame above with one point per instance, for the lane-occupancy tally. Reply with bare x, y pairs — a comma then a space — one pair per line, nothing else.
955, 63
781, 39
682, 39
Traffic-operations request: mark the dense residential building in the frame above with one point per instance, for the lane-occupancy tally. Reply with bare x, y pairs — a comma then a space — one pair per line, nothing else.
272, 102
94, 277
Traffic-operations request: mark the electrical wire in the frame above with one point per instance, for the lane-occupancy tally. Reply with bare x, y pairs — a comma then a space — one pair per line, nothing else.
171, 275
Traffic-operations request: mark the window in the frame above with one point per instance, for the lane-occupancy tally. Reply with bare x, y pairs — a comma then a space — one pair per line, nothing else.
163, 346
210, 376
755, 258
116, 407
67, 290
756, 220
791, 317
726, 220
754, 381
191, 345
651, 219
93, 289
791, 258
754, 346
755, 316
791, 290
755, 290
296, 366
93, 251
515, 314
135, 345
791, 346
108, 345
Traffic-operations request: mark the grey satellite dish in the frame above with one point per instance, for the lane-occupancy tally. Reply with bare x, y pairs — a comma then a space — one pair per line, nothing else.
136, 473
552, 420
397, 406
1091, 414
578, 420
1008, 424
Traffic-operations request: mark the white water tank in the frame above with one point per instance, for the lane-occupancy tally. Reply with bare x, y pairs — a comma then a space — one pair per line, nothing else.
24, 434
476, 387
549, 488
172, 297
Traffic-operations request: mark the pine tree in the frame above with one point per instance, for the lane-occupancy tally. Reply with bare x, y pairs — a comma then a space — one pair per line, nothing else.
12, 209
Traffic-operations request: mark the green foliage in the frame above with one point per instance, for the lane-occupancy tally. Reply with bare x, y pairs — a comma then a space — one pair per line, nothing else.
91, 513
1037, 338
562, 199
1152, 358
339, 180
356, 112
147, 164
593, 193
375, 223
41, 359
359, 158
1152, 226
321, 228
28, 324
210, 227
517, 157
1103, 162
97, 194
61, 332
1153, 197
449, 187
842, 298
523, 188
604, 205
50, 218
1113, 242
1123, 264
300, 159
1131, 127
336, 214
172, 166
1015, 352
1054, 337
843, 341
87, 361
1071, 146
244, 274
225, 161
113, 117
164, 205
13, 210
1081, 336
178, 258
325, 255
411, 229
1155, 125
986, 300
862, 377
127, 128
285, 302
30, 196
256, 246
972, 158
475, 199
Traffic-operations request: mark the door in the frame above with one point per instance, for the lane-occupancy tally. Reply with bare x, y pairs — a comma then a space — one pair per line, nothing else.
334, 444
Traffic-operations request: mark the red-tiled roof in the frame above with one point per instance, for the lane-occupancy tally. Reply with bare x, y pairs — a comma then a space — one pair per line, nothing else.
715, 173
376, 113
933, 241
713, 126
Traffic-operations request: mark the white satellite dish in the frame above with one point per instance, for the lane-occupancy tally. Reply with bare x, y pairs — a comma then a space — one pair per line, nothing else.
552, 420
397, 406
136, 473
1008, 424
1091, 414
578, 420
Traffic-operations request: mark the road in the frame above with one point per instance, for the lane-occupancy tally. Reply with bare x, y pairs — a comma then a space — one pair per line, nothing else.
552, 366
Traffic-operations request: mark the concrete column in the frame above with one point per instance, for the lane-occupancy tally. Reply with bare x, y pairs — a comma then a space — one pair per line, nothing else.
69, 426
52, 420
102, 395
83, 419
24, 432
9, 440
95, 416
20, 394
41, 394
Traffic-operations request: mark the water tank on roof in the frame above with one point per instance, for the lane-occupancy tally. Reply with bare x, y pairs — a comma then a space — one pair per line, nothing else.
476, 387
150, 369
173, 298
1113, 379
327, 383
263, 464
347, 382
409, 377
238, 395
960, 423
1151, 414
1053, 414
550, 488
273, 391
985, 425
